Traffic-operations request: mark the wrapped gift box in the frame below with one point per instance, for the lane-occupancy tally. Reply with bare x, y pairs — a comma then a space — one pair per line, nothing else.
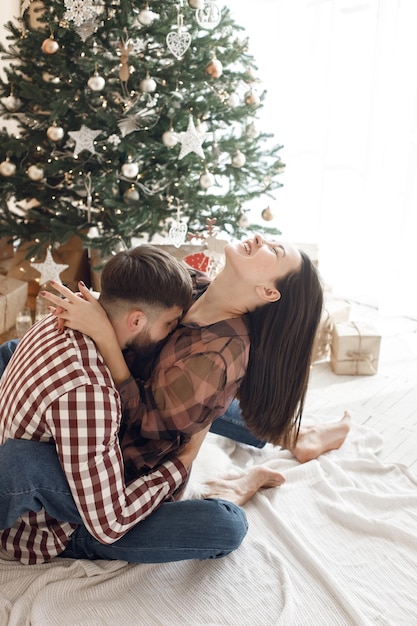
5, 266
6, 248
355, 349
335, 310
13, 297
321, 348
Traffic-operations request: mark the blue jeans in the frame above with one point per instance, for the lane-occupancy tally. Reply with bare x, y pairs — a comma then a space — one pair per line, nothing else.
6, 351
31, 478
231, 425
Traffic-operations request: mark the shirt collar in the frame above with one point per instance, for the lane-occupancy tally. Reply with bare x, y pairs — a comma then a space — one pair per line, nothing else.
235, 326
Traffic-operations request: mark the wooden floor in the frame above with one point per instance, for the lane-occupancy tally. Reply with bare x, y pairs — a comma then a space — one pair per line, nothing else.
387, 401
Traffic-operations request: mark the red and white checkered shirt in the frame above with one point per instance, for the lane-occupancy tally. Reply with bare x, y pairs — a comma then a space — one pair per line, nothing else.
57, 389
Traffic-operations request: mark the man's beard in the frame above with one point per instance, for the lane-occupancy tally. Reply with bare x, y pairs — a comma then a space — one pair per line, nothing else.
142, 344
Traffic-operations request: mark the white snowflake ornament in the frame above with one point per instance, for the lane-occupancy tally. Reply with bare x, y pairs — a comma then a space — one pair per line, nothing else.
79, 11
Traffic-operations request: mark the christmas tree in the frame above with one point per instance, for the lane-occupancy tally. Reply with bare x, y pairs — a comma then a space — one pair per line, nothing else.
134, 120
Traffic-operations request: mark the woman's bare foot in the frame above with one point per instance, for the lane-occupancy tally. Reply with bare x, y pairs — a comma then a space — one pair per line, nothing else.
239, 490
314, 440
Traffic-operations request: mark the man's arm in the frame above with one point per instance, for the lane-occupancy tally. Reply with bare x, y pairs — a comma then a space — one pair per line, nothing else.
88, 448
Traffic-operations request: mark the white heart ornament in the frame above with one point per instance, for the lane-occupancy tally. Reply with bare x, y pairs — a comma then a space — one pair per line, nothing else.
177, 233
178, 43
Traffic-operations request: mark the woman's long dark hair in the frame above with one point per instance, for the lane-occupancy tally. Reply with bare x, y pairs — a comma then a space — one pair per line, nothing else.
282, 334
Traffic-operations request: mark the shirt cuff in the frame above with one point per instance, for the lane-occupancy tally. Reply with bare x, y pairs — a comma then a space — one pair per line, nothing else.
124, 383
174, 472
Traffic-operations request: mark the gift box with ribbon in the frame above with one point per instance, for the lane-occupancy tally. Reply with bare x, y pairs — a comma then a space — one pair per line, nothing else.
355, 349
335, 310
13, 297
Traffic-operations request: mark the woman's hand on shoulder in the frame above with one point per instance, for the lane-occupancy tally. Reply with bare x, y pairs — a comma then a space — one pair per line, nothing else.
79, 311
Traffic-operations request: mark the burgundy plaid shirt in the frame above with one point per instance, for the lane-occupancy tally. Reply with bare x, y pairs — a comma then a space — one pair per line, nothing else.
57, 389
193, 381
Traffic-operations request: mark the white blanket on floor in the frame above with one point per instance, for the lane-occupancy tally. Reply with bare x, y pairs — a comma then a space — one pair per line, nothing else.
336, 545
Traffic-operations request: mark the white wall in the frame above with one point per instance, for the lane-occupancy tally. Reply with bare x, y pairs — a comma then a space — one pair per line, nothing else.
9, 10
341, 79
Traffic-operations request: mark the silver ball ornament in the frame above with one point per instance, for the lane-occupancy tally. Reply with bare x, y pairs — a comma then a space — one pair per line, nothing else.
243, 221
146, 17
238, 159
233, 100
12, 103
147, 85
206, 180
131, 195
251, 131
96, 83
169, 139
55, 133
130, 170
196, 4
250, 76
279, 166
7, 168
35, 173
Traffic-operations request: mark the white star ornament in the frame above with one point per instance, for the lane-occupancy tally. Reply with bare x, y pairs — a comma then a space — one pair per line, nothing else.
191, 141
84, 139
49, 270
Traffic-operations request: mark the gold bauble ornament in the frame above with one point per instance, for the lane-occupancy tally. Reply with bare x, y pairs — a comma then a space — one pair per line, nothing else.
35, 173
50, 78
252, 98
214, 68
267, 214
50, 46
7, 168
55, 133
